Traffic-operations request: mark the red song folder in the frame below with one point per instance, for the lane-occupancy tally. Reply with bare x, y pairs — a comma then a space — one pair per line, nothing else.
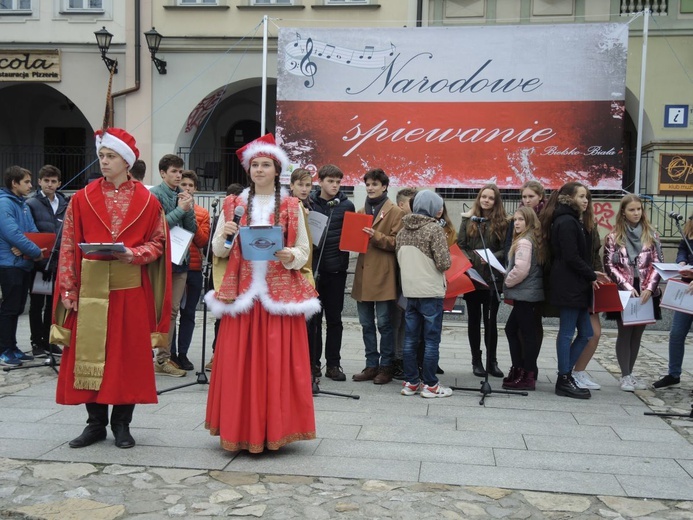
43, 240
457, 281
607, 299
353, 237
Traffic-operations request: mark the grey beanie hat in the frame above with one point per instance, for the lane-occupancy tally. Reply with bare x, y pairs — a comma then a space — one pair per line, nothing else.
427, 203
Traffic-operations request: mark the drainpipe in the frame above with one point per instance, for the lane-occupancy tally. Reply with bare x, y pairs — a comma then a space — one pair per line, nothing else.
138, 44
419, 12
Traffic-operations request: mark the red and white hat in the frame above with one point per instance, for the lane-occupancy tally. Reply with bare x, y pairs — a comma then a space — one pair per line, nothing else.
120, 142
264, 146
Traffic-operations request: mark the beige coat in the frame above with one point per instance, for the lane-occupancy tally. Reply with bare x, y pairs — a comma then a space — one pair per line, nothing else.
375, 279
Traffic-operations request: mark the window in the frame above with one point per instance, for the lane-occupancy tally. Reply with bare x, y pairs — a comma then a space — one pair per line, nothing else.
84, 5
15, 5
272, 2
197, 2
342, 2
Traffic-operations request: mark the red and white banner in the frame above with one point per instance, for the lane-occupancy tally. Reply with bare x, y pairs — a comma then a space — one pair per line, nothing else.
457, 107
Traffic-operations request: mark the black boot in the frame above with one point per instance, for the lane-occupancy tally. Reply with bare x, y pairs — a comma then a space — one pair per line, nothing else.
477, 365
96, 426
492, 368
120, 425
565, 386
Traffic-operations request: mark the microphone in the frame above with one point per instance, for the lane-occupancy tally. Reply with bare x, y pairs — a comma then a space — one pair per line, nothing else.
478, 219
215, 202
675, 216
333, 203
237, 214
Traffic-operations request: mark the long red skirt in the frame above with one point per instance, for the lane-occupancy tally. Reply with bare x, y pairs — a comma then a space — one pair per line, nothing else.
260, 394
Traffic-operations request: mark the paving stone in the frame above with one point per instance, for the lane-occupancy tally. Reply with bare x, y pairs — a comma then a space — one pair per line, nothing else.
470, 509
74, 509
551, 502
345, 507
256, 511
224, 495
494, 493
631, 508
117, 469
235, 478
68, 472
175, 475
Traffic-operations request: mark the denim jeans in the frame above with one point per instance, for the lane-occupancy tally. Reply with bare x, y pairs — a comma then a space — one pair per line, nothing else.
680, 327
426, 313
15, 284
183, 338
568, 350
368, 311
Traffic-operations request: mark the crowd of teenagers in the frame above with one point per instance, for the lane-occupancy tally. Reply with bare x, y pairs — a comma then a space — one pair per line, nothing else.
111, 307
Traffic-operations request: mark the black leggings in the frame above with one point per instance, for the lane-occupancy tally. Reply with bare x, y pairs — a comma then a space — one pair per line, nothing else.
522, 335
478, 302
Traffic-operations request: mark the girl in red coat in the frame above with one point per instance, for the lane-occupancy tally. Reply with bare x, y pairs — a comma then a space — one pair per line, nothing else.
260, 395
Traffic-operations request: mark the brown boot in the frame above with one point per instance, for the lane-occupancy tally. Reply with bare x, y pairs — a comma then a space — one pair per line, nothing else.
528, 382
367, 374
514, 383
384, 376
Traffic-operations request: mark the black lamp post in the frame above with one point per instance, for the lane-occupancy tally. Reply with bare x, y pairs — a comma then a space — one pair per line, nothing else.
103, 40
153, 42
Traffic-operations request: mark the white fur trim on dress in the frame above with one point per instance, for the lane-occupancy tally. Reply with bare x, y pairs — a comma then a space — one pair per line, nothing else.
118, 146
258, 286
261, 149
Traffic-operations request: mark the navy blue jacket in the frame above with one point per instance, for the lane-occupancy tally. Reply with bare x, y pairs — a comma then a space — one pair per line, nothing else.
46, 221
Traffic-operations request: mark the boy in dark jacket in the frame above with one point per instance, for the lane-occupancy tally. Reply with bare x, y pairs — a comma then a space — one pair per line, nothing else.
48, 209
330, 272
423, 256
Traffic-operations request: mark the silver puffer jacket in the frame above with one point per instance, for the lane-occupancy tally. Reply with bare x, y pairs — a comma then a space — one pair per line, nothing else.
619, 269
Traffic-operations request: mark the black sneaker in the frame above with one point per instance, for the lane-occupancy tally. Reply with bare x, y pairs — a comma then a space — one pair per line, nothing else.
38, 351
55, 350
335, 373
667, 380
397, 370
184, 362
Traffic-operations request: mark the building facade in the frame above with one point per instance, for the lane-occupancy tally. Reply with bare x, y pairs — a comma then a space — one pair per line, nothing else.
53, 82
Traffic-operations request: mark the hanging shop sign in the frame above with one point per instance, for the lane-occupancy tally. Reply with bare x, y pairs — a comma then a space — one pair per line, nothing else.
30, 65
675, 174
457, 106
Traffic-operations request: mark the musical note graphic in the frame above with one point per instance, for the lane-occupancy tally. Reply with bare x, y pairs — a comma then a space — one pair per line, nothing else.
303, 51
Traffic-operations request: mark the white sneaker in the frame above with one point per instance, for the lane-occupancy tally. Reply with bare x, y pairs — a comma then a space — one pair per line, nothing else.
411, 389
638, 385
627, 384
436, 391
582, 380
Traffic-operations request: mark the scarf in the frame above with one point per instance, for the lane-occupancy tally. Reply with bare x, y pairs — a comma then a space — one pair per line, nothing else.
633, 236
373, 206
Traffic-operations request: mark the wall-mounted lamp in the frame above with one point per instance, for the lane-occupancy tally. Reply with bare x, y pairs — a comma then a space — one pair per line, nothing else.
153, 42
103, 40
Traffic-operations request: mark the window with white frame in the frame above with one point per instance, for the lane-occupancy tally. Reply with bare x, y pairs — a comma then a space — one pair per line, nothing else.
344, 2
15, 5
84, 5
197, 2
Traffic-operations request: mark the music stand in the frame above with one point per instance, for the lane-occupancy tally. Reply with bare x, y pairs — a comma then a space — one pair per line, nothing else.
202, 378
51, 360
318, 328
485, 388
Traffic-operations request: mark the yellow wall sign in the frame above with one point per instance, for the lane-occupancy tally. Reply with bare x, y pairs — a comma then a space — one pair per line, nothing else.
34, 65
675, 174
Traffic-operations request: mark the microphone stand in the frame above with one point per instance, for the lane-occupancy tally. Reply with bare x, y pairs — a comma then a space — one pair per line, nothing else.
51, 361
206, 270
317, 330
486, 389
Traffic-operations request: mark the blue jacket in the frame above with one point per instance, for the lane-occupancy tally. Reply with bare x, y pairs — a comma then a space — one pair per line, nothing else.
15, 220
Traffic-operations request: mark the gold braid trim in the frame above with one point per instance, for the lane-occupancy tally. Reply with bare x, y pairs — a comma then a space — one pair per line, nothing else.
259, 448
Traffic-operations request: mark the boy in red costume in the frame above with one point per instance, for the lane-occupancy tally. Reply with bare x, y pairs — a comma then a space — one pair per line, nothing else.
102, 297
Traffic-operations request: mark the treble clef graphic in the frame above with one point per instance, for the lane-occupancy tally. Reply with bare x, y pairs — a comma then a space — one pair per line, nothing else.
308, 68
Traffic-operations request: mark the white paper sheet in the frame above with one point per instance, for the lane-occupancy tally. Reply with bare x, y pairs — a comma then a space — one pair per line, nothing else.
316, 222
636, 313
180, 242
677, 297
490, 258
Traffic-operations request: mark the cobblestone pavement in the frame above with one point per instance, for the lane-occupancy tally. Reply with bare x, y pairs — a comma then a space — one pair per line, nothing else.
33, 489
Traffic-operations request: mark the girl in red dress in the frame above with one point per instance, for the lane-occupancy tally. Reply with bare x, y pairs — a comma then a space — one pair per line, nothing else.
260, 394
